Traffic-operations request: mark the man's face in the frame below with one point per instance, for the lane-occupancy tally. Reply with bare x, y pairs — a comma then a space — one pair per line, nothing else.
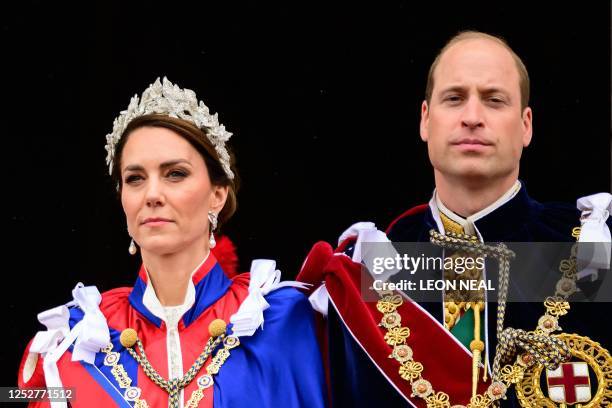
474, 126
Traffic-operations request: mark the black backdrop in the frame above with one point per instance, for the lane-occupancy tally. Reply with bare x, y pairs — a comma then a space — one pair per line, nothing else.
323, 101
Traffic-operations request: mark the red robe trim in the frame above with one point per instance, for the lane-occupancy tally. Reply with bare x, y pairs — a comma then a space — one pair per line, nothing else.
446, 364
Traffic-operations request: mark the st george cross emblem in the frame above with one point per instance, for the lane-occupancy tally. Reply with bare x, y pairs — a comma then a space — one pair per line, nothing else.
569, 383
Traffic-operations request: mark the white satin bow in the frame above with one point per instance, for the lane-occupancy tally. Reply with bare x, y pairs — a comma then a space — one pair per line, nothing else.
595, 209
92, 331
371, 243
91, 334
264, 279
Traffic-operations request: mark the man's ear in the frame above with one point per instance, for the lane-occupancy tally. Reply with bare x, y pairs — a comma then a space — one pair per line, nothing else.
424, 121
527, 126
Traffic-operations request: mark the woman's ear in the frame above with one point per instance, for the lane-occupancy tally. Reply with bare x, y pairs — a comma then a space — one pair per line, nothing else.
218, 197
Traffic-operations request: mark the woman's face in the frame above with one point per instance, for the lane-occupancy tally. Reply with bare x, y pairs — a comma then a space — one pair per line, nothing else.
166, 192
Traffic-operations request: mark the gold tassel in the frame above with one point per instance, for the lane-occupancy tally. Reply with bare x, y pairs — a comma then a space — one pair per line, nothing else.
477, 346
486, 364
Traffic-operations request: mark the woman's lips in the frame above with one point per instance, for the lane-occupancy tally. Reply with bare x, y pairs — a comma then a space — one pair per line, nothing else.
156, 222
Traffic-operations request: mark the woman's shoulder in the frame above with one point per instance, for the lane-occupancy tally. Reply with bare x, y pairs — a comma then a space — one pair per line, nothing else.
288, 304
286, 295
269, 299
65, 323
114, 299
277, 295
288, 307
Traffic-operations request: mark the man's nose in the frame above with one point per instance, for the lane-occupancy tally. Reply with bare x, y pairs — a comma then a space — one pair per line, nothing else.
472, 116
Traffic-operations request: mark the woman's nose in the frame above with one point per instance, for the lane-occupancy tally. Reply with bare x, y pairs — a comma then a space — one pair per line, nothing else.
155, 196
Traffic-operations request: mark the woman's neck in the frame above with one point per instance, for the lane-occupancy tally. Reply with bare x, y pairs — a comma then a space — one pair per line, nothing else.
170, 273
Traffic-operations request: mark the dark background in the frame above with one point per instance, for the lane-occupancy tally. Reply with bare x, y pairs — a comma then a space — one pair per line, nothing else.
323, 101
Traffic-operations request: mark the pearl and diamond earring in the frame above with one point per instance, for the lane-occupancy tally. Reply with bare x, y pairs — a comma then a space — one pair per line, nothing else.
212, 217
132, 249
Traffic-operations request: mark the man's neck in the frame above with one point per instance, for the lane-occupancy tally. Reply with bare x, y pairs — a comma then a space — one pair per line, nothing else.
466, 199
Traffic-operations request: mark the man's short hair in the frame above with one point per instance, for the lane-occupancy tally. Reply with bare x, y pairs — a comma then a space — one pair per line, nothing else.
472, 35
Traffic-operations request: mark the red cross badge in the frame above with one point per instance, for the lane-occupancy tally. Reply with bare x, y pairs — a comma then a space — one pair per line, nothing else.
569, 383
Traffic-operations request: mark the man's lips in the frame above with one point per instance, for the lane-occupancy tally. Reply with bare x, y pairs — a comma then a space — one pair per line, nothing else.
471, 145
471, 141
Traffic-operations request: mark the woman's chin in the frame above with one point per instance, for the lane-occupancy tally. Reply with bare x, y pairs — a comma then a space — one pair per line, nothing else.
159, 246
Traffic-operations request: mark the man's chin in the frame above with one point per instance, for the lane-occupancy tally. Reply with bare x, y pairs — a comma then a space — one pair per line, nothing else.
472, 175
470, 170
476, 176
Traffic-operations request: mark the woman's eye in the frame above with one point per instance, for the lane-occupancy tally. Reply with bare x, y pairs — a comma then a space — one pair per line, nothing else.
132, 179
177, 174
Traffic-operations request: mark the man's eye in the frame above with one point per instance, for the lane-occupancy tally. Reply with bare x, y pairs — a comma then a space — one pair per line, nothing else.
496, 100
453, 98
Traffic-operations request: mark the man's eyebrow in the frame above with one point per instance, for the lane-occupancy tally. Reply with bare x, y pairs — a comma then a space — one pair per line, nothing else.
164, 165
494, 89
453, 88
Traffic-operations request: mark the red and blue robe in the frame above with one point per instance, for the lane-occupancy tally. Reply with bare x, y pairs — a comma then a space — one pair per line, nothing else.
280, 365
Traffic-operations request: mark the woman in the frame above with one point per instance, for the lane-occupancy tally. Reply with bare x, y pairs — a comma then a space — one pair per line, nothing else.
185, 334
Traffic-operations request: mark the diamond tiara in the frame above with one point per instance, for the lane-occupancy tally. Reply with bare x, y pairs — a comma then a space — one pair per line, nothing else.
164, 98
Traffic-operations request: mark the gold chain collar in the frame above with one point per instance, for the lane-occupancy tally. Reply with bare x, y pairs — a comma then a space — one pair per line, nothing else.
129, 338
540, 345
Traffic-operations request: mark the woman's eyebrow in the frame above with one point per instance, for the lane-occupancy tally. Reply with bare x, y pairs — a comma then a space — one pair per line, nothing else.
171, 163
164, 165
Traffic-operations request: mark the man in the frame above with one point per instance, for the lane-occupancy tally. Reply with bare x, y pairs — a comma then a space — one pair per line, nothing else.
476, 121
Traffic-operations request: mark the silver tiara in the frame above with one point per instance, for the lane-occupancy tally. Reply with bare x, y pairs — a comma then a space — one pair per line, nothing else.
164, 98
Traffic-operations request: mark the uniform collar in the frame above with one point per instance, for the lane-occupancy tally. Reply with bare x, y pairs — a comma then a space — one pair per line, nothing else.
494, 223
508, 222
468, 223
208, 284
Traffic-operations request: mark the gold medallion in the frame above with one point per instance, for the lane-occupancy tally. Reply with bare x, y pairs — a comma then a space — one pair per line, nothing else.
584, 350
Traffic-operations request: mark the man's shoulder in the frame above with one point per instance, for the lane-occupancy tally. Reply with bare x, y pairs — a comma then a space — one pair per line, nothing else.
543, 221
560, 218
